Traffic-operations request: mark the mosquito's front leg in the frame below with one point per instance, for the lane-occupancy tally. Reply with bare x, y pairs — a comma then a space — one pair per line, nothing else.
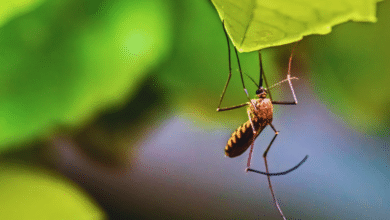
289, 78
232, 107
230, 75
242, 79
230, 69
292, 92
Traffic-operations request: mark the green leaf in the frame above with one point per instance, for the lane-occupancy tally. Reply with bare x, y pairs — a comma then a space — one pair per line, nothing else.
67, 60
349, 69
33, 193
256, 24
10, 9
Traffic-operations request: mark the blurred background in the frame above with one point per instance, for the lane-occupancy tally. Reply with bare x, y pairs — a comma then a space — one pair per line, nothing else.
108, 111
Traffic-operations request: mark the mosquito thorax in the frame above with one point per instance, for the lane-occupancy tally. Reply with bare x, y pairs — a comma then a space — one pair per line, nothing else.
261, 92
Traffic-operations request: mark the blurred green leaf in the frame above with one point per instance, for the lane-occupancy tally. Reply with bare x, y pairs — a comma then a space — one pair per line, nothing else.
33, 193
351, 73
12, 8
256, 24
67, 60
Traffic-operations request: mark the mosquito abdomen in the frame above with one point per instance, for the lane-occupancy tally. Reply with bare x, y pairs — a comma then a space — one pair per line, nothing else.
242, 138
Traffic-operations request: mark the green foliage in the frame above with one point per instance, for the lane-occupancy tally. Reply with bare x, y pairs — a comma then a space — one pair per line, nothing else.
34, 193
62, 62
13, 8
256, 24
350, 71
66, 60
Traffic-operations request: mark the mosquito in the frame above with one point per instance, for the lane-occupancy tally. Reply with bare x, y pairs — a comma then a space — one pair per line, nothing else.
260, 114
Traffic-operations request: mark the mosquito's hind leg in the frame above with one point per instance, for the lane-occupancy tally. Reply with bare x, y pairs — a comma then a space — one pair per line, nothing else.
248, 169
267, 173
268, 177
274, 174
266, 164
264, 154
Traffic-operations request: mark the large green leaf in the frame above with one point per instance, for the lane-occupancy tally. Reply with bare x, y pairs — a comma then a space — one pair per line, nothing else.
12, 8
256, 24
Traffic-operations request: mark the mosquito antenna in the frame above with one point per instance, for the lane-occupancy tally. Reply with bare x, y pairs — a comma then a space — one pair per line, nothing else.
252, 80
278, 83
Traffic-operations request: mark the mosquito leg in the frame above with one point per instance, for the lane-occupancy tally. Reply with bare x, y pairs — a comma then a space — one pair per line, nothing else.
242, 79
268, 177
283, 103
280, 173
230, 75
248, 169
266, 165
289, 75
253, 141
272, 191
289, 78
273, 139
295, 102
230, 68
232, 107
262, 75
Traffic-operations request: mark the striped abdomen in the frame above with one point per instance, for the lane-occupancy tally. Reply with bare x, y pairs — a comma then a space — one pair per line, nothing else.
242, 138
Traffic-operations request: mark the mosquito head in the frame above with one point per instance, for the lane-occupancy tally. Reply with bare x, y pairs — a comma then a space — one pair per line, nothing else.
261, 92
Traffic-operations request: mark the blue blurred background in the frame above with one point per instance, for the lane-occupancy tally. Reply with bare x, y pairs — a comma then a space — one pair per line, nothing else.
120, 97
